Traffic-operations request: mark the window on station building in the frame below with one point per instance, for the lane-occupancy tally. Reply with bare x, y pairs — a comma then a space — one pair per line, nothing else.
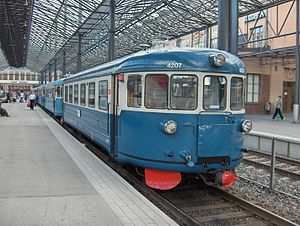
66, 93
253, 83
71, 93
256, 33
91, 94
134, 91
22, 77
82, 94
214, 43
103, 95
11, 77
156, 91
75, 94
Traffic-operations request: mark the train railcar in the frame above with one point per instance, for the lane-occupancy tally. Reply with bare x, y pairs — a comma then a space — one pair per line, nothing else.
53, 97
167, 111
41, 96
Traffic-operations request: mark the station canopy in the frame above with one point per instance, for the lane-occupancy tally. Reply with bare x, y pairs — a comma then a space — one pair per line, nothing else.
37, 33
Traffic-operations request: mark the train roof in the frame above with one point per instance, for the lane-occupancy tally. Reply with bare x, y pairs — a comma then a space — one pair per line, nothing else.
58, 82
189, 59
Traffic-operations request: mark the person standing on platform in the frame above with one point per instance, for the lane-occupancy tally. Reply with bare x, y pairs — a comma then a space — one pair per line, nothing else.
32, 100
278, 105
22, 97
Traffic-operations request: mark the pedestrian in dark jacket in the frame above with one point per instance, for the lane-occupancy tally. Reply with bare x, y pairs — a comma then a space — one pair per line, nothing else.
278, 105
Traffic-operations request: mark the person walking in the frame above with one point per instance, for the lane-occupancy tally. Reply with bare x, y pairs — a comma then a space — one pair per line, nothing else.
278, 105
32, 100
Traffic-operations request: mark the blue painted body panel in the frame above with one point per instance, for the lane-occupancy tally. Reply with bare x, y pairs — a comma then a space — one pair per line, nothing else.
55, 106
93, 124
191, 59
141, 142
41, 101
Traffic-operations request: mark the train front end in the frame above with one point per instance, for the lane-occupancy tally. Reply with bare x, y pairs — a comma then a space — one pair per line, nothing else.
185, 121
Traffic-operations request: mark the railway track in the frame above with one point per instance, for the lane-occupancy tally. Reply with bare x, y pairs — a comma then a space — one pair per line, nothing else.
195, 203
192, 203
284, 166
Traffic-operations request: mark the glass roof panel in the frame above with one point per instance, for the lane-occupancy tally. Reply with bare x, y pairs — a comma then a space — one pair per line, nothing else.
56, 24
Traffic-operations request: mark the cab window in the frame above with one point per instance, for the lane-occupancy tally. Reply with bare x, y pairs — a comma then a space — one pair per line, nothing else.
134, 91
184, 92
214, 93
236, 94
156, 91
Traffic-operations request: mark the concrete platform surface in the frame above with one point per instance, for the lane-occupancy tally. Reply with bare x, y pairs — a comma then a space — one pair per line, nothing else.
49, 178
284, 128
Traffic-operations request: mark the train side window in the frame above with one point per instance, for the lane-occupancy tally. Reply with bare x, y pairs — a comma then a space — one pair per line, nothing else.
134, 91
214, 93
236, 94
82, 94
103, 86
75, 94
91, 97
58, 91
71, 94
66, 93
184, 92
156, 91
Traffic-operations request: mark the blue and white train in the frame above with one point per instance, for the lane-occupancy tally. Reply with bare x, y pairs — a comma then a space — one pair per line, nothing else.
167, 111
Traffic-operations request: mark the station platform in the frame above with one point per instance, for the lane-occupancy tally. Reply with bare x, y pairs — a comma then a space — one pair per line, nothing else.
47, 177
277, 127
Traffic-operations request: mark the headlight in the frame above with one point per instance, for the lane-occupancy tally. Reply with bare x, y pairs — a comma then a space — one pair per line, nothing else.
246, 126
217, 60
170, 127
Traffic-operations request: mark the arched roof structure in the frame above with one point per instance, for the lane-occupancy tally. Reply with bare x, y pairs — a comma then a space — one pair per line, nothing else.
53, 27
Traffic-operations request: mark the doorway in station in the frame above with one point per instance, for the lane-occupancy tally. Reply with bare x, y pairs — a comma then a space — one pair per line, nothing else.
288, 96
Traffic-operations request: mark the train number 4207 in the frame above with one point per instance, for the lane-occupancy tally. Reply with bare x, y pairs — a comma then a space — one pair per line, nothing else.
174, 65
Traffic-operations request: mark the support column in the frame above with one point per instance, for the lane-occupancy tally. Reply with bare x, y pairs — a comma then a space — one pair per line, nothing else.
55, 71
297, 82
228, 25
79, 53
64, 63
112, 31
49, 76
207, 38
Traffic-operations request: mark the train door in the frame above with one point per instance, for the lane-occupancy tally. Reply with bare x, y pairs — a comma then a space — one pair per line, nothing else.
112, 112
214, 129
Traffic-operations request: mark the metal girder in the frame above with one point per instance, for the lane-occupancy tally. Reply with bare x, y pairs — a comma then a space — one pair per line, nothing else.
56, 24
14, 30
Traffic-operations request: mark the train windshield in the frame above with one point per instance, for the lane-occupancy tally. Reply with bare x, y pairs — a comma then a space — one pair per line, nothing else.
184, 92
214, 96
156, 91
236, 94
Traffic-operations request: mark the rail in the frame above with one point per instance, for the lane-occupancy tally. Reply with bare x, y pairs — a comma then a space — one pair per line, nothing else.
273, 145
